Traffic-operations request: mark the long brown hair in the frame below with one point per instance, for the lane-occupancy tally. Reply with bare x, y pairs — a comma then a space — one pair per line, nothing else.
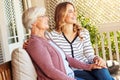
60, 13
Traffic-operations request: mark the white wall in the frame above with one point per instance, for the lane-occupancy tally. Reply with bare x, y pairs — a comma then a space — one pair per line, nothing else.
38, 3
3, 33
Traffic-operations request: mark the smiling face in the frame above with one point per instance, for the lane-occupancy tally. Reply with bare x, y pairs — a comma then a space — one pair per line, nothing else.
64, 14
70, 17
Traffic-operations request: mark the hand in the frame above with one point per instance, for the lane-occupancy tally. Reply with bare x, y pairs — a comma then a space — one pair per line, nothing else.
95, 66
25, 44
100, 62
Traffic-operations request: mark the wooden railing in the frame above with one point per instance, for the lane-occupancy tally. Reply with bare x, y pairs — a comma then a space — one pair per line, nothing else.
108, 43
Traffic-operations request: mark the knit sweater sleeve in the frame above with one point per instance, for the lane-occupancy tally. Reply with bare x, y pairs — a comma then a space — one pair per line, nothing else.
77, 64
41, 56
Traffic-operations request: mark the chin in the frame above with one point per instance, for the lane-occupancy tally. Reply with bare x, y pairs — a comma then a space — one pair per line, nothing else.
74, 22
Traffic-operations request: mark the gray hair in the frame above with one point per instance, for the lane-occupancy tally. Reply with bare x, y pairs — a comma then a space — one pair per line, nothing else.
30, 16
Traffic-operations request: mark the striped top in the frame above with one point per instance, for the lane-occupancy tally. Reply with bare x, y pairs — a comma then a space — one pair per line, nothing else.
82, 50
69, 71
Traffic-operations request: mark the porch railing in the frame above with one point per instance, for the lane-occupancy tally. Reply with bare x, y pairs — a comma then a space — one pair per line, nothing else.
108, 43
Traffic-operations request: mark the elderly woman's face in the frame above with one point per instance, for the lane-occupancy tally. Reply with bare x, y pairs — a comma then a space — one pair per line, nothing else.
42, 22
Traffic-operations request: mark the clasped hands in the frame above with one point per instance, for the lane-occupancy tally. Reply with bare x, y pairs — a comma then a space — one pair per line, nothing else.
99, 63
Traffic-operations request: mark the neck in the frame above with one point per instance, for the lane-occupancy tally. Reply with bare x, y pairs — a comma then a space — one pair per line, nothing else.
39, 33
68, 29
69, 33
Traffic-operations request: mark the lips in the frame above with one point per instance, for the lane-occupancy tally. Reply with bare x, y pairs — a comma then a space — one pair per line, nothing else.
73, 18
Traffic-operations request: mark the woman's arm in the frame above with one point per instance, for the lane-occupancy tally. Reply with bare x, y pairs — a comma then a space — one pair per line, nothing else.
80, 65
87, 46
42, 58
89, 51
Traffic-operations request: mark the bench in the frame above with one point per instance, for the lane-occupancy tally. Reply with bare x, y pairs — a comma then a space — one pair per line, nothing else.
21, 56
19, 68
6, 71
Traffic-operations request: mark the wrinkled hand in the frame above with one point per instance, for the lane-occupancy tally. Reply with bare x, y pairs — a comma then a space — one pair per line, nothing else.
95, 66
100, 62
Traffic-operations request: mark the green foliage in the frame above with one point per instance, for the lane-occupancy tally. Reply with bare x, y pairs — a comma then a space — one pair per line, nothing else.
94, 36
85, 22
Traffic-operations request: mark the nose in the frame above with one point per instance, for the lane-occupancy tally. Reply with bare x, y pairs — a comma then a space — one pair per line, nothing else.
46, 17
75, 13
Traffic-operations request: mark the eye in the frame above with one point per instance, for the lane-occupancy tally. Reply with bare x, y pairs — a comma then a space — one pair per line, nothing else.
70, 11
43, 16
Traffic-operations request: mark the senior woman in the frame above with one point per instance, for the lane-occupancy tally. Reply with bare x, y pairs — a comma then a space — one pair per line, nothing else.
49, 60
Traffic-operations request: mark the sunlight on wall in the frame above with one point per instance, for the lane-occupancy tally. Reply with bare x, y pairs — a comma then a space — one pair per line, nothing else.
38, 3
99, 11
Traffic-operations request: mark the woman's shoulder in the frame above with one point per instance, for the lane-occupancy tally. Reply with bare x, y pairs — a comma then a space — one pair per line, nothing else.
84, 32
35, 39
52, 34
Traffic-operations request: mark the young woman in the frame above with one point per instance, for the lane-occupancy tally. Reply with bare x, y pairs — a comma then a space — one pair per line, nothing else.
49, 60
75, 41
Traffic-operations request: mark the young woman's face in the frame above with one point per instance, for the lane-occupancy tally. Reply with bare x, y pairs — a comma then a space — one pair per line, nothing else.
42, 22
70, 15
